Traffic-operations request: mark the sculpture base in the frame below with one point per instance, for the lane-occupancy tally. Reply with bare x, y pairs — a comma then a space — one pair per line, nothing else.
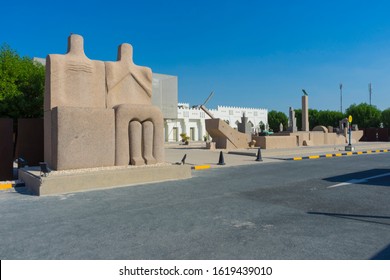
61, 182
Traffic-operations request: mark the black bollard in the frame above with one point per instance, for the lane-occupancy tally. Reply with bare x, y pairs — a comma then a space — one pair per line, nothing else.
221, 160
258, 158
183, 160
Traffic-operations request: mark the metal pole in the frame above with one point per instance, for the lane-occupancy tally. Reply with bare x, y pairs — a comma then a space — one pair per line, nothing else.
370, 91
341, 97
350, 132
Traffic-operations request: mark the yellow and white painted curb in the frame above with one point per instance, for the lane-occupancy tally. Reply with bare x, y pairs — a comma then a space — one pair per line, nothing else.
339, 154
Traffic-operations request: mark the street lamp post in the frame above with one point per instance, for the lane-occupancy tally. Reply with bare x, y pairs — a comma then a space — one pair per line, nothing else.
369, 92
341, 97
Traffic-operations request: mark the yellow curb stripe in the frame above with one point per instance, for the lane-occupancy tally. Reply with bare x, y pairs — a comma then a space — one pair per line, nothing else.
5, 186
200, 167
341, 154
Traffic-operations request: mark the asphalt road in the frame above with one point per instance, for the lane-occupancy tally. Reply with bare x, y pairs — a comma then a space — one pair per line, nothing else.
336, 208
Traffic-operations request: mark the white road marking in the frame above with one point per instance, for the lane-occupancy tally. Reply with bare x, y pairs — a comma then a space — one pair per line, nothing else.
358, 181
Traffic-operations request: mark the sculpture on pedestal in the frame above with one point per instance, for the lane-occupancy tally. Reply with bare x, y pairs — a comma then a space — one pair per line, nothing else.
99, 113
305, 111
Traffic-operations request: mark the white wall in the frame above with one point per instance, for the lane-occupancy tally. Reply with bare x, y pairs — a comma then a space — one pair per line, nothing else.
193, 119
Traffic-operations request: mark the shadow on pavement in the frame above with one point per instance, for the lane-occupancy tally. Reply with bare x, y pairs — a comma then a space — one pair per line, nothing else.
382, 255
23, 190
361, 218
377, 177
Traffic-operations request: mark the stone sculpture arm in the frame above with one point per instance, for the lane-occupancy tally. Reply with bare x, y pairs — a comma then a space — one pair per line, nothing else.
144, 79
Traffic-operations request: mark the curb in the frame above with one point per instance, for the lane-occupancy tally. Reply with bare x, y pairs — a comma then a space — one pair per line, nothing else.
339, 154
200, 167
7, 186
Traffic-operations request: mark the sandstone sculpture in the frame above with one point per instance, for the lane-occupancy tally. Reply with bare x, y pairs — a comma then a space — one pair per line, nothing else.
244, 126
292, 120
129, 93
225, 136
99, 113
305, 112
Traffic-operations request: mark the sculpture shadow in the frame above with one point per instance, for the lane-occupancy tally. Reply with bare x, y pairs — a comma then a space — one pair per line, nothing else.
376, 177
382, 220
383, 254
23, 190
184, 147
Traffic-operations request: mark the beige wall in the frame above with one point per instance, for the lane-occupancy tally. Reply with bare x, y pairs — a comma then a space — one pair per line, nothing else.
313, 138
275, 142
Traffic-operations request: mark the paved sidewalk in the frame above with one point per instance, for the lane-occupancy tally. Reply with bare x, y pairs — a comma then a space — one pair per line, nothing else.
197, 154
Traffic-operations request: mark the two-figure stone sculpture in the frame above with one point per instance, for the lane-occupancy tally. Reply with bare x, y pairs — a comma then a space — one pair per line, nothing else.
99, 113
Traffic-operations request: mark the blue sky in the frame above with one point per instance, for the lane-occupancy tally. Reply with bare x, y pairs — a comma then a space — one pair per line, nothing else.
251, 53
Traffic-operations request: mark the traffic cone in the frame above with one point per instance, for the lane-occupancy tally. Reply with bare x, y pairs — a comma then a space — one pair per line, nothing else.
258, 158
221, 160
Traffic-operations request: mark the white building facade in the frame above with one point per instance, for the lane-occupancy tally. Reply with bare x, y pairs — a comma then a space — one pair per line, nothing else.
192, 120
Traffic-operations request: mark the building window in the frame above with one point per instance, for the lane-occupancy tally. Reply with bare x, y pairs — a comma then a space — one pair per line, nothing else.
255, 114
230, 112
202, 115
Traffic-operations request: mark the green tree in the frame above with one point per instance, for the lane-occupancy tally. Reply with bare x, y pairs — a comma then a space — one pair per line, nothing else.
329, 118
298, 116
21, 85
364, 115
261, 125
385, 118
313, 118
324, 118
275, 119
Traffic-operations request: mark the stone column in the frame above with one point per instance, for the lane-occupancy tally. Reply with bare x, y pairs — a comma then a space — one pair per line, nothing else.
305, 113
200, 129
292, 121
